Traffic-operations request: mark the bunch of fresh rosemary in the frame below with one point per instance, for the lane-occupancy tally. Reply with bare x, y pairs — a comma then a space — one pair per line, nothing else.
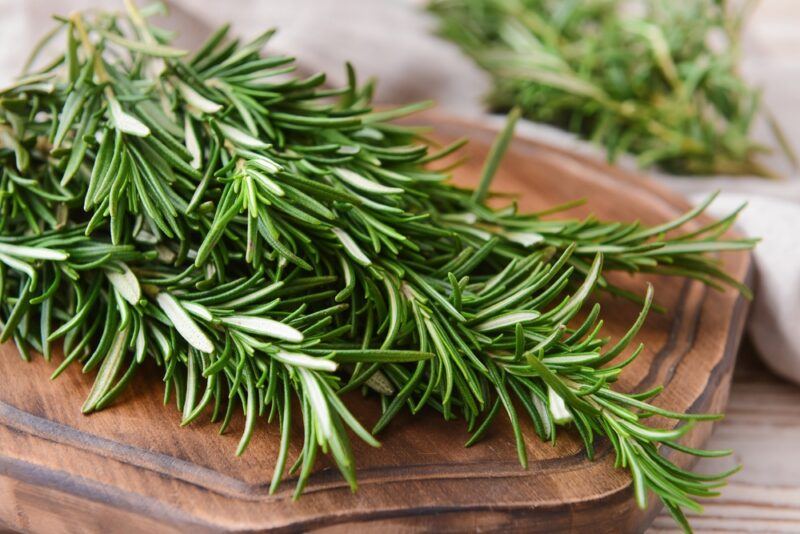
252, 233
654, 78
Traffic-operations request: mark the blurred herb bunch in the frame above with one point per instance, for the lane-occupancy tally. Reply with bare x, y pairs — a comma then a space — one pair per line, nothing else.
654, 78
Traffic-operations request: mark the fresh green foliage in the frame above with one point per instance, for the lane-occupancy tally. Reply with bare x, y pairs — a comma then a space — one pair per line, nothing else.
655, 78
254, 234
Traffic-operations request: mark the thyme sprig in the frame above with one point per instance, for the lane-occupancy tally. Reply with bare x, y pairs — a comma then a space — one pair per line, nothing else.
254, 234
653, 78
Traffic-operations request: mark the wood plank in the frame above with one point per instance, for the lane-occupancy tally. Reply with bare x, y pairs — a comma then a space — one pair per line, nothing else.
131, 465
762, 426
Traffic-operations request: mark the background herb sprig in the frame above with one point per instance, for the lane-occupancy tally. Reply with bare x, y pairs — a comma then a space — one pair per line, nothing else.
654, 78
254, 234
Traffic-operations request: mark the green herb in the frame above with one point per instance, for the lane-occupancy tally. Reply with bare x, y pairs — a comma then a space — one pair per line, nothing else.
255, 234
654, 78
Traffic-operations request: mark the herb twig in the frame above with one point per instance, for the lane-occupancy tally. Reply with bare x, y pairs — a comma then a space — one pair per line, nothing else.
656, 79
255, 234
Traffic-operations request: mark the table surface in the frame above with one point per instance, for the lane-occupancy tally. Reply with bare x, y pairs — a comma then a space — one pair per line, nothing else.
762, 426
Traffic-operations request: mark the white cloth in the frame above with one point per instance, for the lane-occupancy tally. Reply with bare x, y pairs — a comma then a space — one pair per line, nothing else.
393, 40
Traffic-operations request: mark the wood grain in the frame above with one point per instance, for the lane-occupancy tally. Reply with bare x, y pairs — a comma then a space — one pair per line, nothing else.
762, 426
131, 468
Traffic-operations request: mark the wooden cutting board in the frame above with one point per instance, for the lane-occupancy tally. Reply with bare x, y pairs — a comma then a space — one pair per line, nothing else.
131, 468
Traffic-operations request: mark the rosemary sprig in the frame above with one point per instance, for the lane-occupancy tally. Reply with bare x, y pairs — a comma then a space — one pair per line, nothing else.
254, 234
653, 78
